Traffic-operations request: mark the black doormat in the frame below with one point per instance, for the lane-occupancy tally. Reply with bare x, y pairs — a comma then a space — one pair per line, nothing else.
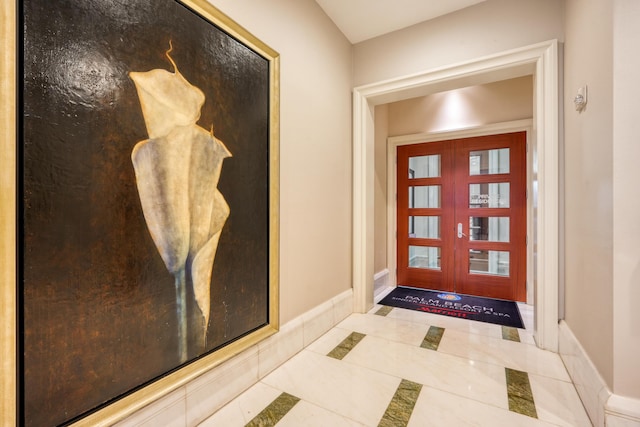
487, 310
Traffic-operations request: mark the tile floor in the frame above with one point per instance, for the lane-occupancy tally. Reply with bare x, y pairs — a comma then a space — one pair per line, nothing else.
397, 367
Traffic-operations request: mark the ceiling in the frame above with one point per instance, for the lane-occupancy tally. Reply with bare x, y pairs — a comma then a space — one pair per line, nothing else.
360, 20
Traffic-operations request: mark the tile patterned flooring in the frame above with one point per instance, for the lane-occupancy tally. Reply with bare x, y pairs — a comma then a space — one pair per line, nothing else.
397, 367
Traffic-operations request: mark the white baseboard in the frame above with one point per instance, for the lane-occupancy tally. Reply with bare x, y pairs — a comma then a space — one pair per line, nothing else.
381, 283
603, 407
381, 279
622, 412
194, 402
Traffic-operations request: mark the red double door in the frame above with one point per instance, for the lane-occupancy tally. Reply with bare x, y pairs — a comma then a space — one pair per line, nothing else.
461, 209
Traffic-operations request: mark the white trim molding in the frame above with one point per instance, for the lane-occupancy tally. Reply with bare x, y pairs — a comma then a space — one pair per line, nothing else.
381, 280
622, 411
540, 60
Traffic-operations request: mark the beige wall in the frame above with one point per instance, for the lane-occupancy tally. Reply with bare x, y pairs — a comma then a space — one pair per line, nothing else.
589, 181
315, 147
626, 203
489, 27
602, 204
461, 108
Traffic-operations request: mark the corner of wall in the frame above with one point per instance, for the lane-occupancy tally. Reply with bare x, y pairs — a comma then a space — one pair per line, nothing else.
603, 407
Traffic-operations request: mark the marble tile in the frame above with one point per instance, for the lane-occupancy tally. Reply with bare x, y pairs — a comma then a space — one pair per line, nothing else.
209, 392
309, 415
346, 345
526, 337
387, 327
527, 313
244, 408
431, 341
401, 406
329, 341
504, 353
462, 383
436, 408
557, 402
476, 380
510, 334
384, 310
519, 393
463, 325
349, 390
276, 410
170, 411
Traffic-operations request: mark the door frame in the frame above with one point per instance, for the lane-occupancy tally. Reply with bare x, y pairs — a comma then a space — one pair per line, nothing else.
392, 212
540, 60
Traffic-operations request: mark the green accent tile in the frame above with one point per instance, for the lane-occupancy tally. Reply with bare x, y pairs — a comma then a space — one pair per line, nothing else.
401, 406
274, 412
519, 393
384, 310
431, 341
346, 345
511, 334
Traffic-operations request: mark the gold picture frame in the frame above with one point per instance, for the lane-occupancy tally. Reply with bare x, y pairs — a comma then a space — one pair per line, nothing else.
10, 309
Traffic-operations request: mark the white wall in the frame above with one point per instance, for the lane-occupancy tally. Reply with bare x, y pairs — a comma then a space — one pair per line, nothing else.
589, 181
489, 27
315, 146
602, 203
626, 203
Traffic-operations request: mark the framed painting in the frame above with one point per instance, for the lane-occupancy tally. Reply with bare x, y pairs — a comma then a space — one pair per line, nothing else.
140, 202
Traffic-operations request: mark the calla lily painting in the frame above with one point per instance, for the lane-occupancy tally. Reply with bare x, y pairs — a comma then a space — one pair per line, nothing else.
177, 170
148, 202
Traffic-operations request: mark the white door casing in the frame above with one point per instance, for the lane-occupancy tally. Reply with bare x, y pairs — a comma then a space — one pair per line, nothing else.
540, 60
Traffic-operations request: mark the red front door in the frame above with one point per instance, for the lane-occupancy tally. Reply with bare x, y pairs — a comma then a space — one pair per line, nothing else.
462, 216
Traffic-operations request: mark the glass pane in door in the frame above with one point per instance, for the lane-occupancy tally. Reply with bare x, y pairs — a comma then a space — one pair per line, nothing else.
489, 195
489, 229
424, 257
424, 166
487, 162
424, 196
489, 262
424, 227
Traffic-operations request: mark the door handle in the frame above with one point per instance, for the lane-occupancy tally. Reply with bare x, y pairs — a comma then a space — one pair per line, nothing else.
460, 233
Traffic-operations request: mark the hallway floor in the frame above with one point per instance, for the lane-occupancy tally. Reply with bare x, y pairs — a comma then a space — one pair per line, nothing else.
396, 367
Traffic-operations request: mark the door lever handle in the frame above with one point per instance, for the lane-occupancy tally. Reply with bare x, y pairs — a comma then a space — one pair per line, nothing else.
460, 233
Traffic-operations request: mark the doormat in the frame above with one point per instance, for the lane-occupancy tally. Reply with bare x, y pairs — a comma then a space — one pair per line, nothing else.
499, 312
